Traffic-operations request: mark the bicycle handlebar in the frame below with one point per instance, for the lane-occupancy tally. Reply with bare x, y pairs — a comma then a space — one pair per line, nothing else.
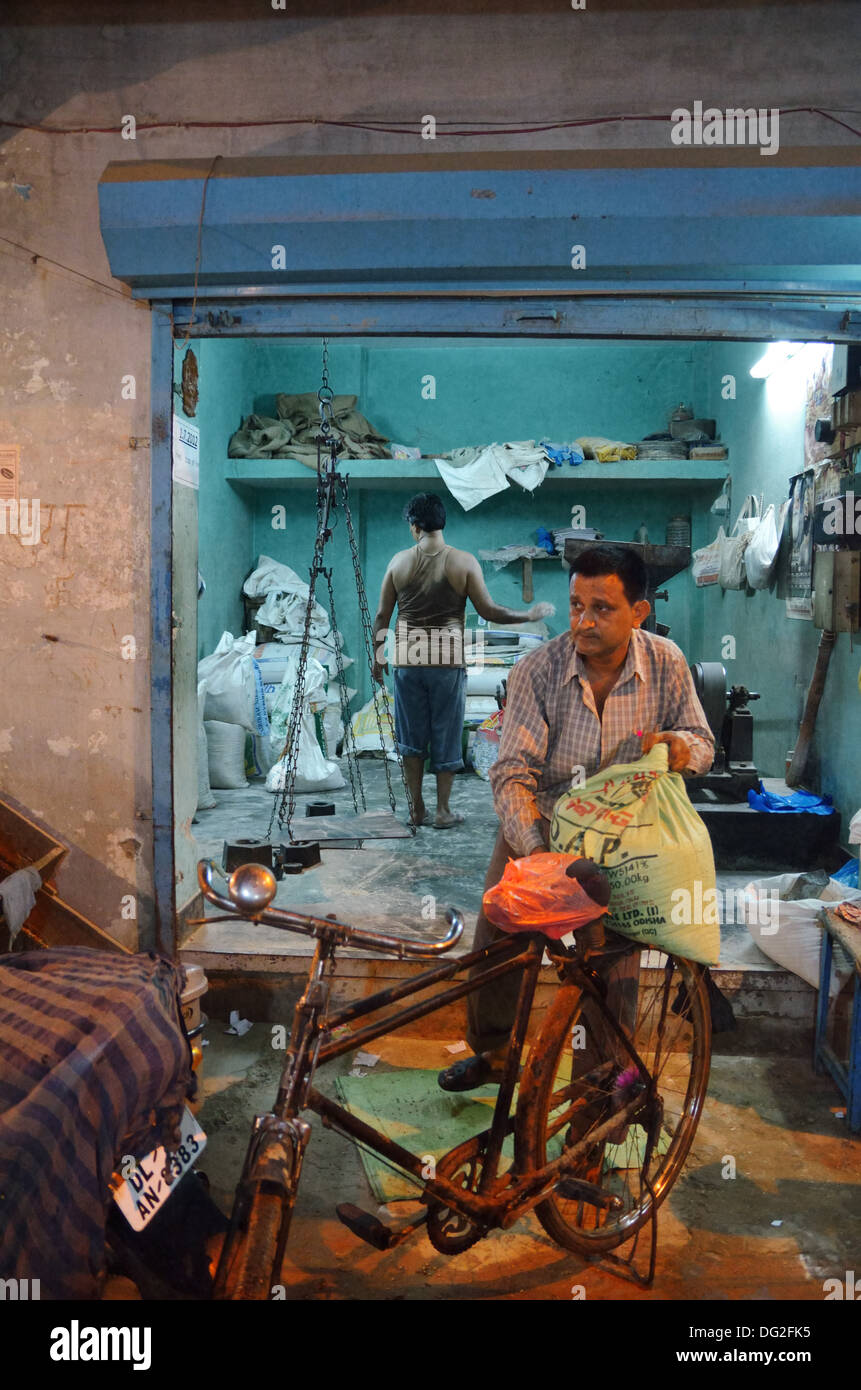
252, 887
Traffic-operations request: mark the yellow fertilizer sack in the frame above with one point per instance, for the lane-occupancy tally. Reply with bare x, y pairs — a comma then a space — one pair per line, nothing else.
635, 820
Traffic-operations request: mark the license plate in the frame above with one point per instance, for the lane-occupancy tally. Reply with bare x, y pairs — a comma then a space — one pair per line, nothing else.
141, 1193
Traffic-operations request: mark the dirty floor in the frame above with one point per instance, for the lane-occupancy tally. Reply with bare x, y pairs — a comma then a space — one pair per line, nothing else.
789, 1219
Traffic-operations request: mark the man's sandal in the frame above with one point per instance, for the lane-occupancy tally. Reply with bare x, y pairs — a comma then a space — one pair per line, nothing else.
470, 1072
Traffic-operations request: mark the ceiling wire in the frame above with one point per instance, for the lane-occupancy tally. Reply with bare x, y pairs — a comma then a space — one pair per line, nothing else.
383, 128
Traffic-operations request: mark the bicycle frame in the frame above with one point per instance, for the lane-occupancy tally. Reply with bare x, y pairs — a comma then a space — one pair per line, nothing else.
311, 1044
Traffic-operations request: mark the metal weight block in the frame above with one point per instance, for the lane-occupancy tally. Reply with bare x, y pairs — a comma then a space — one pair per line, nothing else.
292, 859
238, 852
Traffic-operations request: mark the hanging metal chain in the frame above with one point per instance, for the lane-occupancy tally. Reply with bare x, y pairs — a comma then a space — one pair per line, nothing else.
368, 637
349, 747
328, 479
286, 804
325, 397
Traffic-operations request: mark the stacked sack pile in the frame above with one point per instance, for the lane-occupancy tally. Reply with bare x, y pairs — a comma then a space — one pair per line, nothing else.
245, 694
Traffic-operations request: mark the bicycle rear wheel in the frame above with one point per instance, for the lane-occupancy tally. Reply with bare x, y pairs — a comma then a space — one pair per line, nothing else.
579, 1075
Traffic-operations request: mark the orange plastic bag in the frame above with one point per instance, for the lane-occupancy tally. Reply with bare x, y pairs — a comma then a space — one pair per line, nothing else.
549, 893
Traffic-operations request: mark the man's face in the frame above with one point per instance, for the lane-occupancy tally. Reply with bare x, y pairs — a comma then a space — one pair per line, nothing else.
602, 619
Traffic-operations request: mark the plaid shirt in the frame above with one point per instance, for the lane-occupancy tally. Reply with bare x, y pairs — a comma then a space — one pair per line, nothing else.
551, 726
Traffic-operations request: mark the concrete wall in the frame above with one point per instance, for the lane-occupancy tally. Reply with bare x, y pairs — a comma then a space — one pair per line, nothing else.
74, 735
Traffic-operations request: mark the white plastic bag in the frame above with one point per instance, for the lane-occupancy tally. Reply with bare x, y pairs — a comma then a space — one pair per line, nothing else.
706, 562
732, 573
760, 557
231, 683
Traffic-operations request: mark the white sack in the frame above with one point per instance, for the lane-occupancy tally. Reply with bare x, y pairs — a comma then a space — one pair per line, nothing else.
226, 744
270, 575
789, 933
205, 799
314, 773
365, 729
230, 681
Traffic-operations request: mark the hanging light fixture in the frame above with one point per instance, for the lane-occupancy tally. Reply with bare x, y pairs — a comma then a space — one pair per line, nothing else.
775, 356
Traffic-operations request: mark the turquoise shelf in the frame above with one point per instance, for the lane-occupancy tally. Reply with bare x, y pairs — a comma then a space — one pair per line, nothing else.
370, 473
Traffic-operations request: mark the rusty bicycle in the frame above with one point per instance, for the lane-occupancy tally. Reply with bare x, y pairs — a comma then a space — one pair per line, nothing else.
602, 1114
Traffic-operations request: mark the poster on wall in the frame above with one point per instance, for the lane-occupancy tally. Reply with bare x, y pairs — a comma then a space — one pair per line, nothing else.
799, 601
186, 453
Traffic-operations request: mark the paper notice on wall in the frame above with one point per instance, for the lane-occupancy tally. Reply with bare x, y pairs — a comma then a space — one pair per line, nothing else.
799, 600
186, 453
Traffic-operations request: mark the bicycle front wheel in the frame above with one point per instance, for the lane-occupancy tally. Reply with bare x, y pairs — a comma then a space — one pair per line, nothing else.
579, 1074
250, 1261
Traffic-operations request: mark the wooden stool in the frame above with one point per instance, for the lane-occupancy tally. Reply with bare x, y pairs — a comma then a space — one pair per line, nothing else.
848, 1079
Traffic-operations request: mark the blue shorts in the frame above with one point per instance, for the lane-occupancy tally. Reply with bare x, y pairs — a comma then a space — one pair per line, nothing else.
430, 702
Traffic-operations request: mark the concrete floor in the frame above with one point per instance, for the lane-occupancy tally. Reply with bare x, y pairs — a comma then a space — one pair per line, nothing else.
790, 1218
386, 885
717, 1238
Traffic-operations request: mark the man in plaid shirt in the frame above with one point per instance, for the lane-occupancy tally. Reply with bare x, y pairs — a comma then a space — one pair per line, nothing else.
604, 692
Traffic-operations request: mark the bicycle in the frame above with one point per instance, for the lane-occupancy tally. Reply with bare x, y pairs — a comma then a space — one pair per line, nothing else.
604, 1115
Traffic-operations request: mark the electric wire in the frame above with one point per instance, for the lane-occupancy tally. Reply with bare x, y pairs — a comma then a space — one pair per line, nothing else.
407, 127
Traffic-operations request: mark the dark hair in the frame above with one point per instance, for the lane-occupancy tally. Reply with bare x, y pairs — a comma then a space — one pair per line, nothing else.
614, 559
426, 511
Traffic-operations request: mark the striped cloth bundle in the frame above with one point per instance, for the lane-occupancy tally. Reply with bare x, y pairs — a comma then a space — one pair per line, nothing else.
94, 1063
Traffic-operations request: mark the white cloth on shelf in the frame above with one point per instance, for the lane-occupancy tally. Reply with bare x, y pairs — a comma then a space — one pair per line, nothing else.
18, 898
471, 475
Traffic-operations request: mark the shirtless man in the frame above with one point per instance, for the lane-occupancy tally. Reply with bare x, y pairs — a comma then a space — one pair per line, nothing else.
430, 584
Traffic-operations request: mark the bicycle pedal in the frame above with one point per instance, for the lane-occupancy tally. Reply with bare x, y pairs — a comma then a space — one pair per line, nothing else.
578, 1190
367, 1227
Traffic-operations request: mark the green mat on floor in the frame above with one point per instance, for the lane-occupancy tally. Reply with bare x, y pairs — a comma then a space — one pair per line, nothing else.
409, 1107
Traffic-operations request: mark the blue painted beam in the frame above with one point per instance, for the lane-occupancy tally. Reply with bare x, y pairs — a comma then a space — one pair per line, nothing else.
484, 228
753, 319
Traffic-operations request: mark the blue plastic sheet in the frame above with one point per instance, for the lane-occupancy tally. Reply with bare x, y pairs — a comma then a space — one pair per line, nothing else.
798, 801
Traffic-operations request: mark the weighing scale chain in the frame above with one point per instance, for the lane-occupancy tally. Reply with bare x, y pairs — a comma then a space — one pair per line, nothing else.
368, 637
352, 757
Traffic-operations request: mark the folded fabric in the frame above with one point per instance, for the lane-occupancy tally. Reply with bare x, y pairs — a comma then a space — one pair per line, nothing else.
18, 898
595, 446
798, 801
259, 436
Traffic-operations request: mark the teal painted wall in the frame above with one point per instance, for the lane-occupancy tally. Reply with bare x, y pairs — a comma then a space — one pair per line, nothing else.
775, 655
226, 517
485, 391
488, 390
